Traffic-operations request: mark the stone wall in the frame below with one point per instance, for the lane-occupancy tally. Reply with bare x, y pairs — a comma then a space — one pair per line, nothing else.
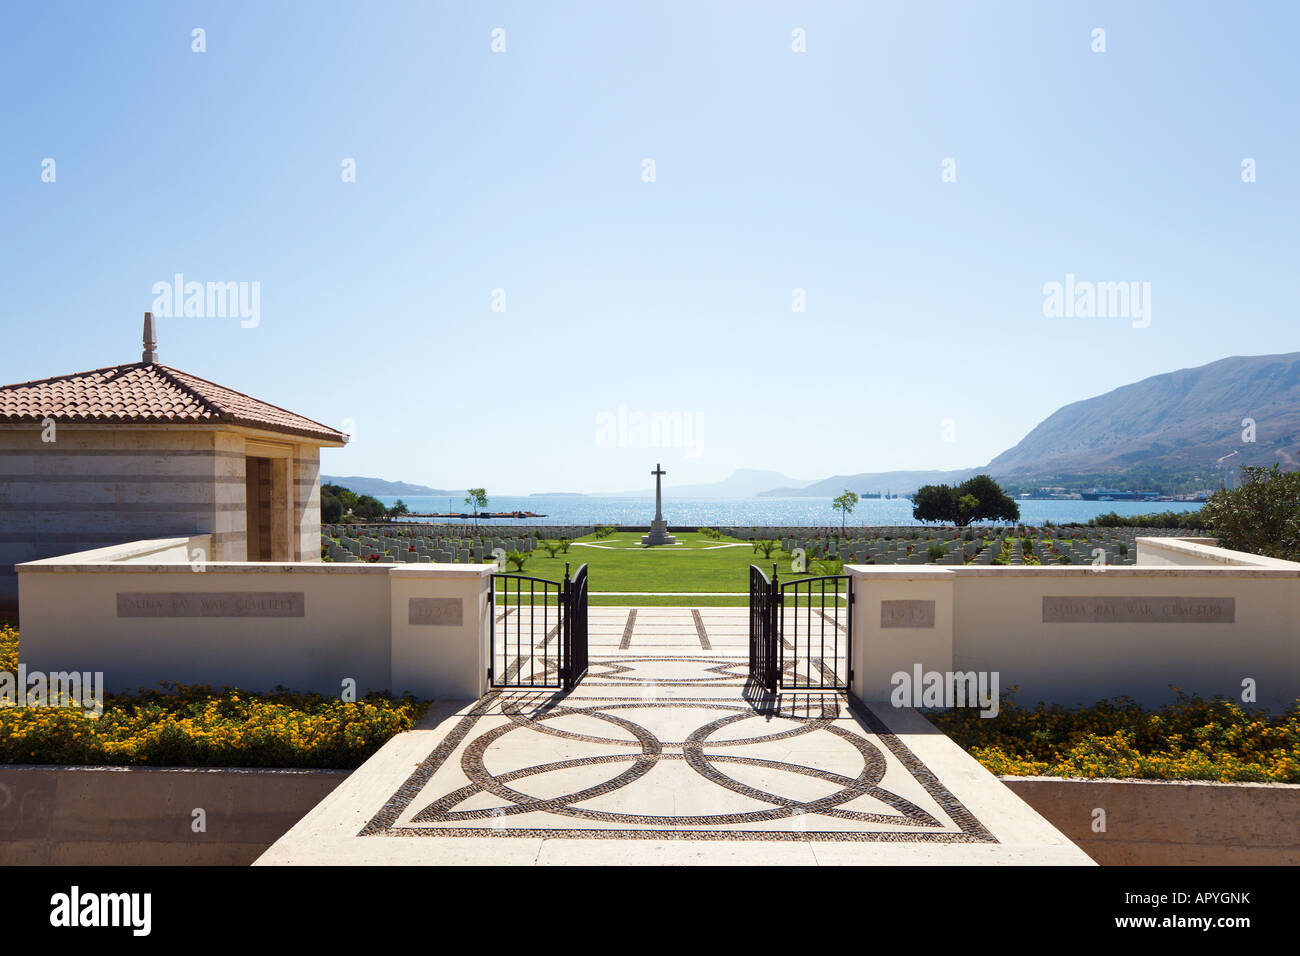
93, 487
1171, 823
1074, 635
101, 485
306, 496
144, 816
88, 816
143, 613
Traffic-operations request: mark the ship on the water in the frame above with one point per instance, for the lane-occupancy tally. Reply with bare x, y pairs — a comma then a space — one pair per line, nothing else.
1115, 494
467, 515
1110, 494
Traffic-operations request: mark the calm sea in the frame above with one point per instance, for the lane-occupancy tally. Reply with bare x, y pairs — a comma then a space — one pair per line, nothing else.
779, 512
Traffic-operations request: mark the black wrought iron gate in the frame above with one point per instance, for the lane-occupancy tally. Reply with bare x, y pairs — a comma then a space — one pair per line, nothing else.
800, 631
763, 601
539, 631
575, 651
815, 633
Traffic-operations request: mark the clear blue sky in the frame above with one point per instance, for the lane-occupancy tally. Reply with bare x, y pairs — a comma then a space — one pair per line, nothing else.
776, 170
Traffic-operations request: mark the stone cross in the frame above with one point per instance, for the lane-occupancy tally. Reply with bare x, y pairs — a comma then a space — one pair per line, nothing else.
659, 527
659, 502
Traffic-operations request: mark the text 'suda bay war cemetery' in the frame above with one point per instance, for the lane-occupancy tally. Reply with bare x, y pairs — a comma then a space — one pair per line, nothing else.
521, 574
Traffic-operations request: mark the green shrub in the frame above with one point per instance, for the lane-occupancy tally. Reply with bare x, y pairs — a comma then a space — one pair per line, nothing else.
1262, 516
1165, 520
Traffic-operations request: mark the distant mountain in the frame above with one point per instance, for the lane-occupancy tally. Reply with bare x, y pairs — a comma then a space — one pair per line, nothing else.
1179, 421
378, 486
1175, 428
899, 482
743, 483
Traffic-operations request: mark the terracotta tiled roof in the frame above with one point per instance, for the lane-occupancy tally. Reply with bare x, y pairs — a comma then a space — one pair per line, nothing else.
149, 394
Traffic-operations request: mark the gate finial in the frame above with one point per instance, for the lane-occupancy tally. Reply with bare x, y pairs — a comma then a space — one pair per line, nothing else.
150, 355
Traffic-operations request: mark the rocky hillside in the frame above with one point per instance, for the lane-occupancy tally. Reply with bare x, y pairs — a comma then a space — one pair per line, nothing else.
1187, 419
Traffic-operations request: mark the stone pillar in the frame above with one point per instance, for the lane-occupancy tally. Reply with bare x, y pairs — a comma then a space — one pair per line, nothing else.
441, 630
902, 617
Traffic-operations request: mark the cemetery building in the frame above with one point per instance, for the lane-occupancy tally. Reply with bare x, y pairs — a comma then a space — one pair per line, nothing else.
144, 450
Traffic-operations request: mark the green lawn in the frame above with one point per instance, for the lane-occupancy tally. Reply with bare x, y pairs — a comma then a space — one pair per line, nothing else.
667, 600
695, 565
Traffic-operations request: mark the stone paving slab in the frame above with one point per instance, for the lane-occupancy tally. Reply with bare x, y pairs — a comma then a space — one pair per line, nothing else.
668, 755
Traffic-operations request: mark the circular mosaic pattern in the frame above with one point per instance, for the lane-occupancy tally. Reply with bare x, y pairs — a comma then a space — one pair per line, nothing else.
646, 751
628, 668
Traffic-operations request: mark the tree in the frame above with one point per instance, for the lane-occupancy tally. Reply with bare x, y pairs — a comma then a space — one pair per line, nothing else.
330, 509
967, 506
335, 503
478, 499
338, 503
933, 503
1262, 516
845, 504
976, 499
369, 508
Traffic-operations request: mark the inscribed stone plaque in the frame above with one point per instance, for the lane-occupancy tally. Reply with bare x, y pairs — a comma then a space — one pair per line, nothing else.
211, 604
1139, 610
907, 614
436, 612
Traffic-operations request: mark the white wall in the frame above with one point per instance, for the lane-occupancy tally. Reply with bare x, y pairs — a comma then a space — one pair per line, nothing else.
992, 619
1199, 552
336, 622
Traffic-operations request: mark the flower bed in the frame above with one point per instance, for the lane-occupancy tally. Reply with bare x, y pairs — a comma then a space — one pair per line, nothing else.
199, 727
1190, 739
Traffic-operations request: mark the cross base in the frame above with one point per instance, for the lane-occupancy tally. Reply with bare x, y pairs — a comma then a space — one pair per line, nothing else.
658, 534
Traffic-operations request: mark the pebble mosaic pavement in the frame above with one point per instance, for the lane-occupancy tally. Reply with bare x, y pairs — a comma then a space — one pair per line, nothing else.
664, 739
665, 753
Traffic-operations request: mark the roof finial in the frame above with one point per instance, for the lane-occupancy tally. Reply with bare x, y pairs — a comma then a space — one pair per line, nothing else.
150, 355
